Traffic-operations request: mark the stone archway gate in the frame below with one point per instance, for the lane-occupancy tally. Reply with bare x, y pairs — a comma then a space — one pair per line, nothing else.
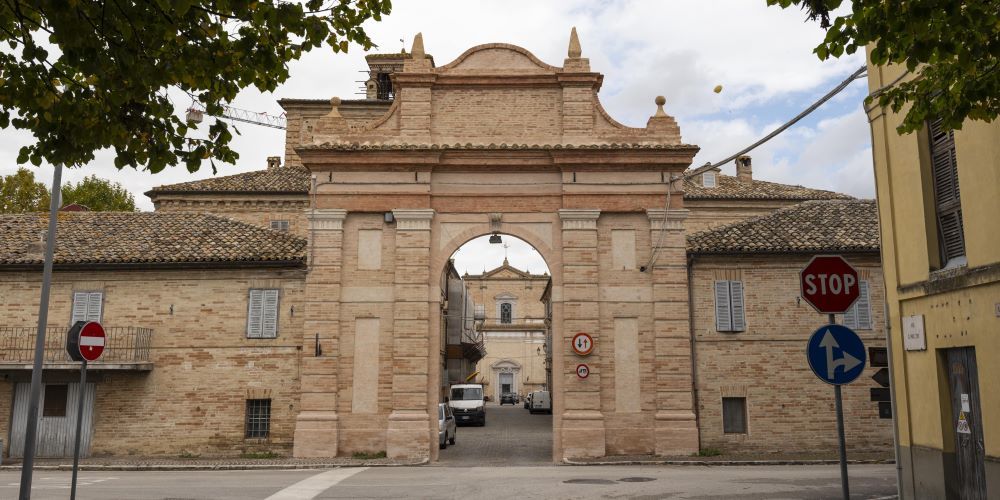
495, 141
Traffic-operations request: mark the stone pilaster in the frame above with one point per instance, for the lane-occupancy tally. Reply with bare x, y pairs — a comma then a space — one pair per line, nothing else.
583, 433
316, 427
676, 429
408, 435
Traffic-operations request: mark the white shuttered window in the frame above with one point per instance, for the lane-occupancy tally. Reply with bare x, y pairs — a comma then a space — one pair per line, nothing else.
859, 316
730, 310
86, 306
262, 316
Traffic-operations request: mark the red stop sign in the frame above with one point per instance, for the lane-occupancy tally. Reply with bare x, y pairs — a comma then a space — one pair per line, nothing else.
829, 284
92, 341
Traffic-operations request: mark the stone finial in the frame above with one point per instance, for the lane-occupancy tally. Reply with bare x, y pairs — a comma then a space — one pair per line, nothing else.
417, 51
660, 101
332, 123
574, 44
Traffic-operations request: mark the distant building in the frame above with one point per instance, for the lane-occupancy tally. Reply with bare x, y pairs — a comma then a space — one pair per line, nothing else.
939, 199
514, 329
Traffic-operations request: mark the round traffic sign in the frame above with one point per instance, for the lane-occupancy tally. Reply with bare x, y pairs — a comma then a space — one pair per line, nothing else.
582, 370
829, 284
583, 344
836, 354
92, 341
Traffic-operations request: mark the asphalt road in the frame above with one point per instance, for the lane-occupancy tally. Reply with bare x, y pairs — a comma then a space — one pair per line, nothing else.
550, 481
512, 436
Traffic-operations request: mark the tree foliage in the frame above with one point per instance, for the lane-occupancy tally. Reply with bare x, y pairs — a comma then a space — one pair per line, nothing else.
951, 48
19, 193
98, 194
84, 75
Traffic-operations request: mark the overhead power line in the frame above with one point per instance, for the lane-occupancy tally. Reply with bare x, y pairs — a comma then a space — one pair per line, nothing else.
836, 90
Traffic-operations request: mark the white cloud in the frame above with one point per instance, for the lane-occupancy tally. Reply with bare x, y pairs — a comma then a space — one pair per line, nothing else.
680, 49
479, 255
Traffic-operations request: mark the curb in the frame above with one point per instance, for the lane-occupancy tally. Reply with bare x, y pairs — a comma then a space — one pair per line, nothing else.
567, 461
167, 468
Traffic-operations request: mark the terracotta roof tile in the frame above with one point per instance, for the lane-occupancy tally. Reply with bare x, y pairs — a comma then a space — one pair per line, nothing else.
811, 226
729, 187
144, 238
287, 180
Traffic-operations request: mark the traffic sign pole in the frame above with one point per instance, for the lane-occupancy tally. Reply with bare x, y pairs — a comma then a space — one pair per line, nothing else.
841, 442
79, 426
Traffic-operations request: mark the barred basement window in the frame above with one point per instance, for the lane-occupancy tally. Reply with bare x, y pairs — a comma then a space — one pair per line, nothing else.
734, 415
279, 225
55, 400
258, 418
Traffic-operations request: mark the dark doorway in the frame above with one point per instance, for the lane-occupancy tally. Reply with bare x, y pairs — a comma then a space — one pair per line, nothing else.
966, 423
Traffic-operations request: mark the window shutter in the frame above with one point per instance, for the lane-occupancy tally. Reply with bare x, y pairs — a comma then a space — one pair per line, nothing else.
254, 316
947, 199
736, 294
270, 327
863, 308
94, 306
80, 300
723, 320
851, 316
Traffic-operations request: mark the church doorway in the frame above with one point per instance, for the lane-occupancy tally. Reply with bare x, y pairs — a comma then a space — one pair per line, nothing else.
496, 323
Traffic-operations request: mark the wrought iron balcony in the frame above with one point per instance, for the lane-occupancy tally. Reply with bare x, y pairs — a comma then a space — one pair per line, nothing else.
125, 348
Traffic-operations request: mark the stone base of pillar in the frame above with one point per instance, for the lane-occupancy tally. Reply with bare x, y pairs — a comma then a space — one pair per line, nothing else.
583, 434
676, 433
315, 434
408, 435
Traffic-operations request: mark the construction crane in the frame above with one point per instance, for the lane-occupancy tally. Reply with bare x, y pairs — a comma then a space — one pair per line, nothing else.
196, 114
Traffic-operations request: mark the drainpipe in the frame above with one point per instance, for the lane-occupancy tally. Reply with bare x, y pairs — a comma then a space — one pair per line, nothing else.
694, 357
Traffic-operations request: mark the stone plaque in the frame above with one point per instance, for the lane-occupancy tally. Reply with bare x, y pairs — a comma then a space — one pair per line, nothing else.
913, 333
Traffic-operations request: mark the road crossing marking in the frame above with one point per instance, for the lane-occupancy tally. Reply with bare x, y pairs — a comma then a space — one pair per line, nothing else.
309, 487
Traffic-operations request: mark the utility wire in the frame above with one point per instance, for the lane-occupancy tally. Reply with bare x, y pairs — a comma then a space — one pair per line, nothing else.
836, 90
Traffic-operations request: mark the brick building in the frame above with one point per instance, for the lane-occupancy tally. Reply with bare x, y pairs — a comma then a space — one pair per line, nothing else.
353, 236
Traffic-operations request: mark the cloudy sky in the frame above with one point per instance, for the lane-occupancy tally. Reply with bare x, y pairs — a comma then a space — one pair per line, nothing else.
762, 56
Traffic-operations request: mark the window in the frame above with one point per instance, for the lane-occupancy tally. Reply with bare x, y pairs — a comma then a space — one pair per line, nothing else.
262, 318
729, 310
708, 179
506, 313
859, 316
947, 199
734, 415
279, 225
55, 400
258, 418
86, 306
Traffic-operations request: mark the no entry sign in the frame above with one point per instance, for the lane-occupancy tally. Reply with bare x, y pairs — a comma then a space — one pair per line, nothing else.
829, 284
85, 341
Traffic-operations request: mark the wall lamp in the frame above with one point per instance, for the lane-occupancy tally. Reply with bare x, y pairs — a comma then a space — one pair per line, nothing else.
495, 239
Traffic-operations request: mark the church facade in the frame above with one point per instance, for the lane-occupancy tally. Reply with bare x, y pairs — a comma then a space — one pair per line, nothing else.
374, 197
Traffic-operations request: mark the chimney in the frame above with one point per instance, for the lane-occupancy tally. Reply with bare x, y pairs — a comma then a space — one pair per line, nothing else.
273, 162
743, 170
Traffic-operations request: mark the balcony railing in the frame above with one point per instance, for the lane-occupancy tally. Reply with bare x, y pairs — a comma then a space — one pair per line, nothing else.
123, 345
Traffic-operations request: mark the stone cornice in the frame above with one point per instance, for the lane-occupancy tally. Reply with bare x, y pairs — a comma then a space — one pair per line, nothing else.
326, 219
575, 218
413, 219
674, 218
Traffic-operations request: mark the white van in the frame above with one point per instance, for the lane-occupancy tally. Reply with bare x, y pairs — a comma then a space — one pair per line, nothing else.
467, 404
541, 402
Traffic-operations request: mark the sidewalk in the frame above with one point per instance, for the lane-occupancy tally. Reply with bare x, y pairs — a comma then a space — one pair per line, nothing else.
220, 463
741, 459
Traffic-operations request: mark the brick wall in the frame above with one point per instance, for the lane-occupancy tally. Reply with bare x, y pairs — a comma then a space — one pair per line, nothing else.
258, 210
788, 407
205, 368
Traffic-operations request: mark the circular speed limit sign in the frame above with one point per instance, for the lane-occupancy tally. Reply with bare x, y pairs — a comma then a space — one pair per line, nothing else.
583, 344
582, 371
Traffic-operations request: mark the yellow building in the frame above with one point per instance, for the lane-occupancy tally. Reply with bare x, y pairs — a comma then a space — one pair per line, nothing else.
941, 259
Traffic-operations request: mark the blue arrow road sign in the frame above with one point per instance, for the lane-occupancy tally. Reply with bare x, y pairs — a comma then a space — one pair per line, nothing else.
836, 354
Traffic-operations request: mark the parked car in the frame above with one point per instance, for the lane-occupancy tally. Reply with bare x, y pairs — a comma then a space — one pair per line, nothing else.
507, 398
468, 404
541, 402
447, 429
527, 401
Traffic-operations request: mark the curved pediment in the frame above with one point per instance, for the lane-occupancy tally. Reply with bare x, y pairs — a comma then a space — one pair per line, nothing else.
495, 58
